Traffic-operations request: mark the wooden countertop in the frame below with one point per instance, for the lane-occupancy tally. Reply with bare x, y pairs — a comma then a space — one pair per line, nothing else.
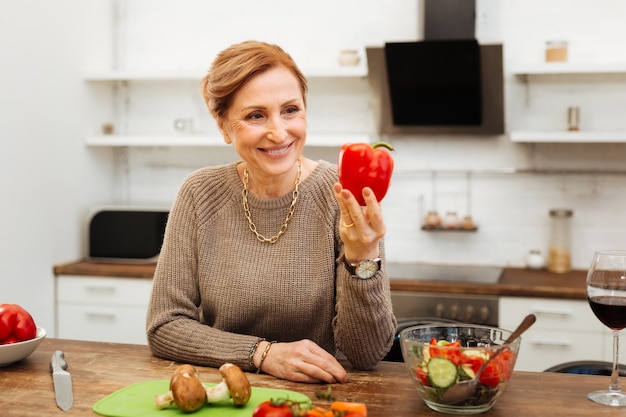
99, 369
517, 282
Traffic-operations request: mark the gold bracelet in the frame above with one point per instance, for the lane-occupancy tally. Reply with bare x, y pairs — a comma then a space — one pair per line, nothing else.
264, 355
252, 350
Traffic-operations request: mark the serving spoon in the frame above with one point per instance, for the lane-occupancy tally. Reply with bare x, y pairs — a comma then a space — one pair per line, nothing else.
464, 389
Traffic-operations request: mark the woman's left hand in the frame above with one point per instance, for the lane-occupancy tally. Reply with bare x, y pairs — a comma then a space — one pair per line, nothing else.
360, 228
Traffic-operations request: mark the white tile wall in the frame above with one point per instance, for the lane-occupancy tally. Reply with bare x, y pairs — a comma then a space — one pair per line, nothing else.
511, 209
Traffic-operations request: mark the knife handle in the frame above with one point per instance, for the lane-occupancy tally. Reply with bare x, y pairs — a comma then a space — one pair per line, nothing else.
57, 362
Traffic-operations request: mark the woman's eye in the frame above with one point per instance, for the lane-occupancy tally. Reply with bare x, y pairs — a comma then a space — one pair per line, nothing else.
254, 116
292, 109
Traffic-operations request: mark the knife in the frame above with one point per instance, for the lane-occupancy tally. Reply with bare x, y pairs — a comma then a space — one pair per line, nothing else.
62, 381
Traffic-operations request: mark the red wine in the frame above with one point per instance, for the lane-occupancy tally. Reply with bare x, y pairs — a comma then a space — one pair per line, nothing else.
609, 310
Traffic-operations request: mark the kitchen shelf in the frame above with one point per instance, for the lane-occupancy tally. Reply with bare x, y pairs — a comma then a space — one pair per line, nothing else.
449, 229
196, 75
313, 140
568, 137
569, 68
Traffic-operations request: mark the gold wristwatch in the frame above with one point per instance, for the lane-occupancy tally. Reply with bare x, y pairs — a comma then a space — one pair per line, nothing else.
363, 269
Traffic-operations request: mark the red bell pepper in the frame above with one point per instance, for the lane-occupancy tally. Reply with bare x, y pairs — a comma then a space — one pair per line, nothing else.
446, 350
363, 165
16, 324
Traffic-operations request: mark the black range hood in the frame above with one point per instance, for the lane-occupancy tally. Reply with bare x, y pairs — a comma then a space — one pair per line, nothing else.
435, 83
447, 83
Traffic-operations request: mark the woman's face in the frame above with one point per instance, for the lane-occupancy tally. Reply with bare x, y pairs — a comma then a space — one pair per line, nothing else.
266, 122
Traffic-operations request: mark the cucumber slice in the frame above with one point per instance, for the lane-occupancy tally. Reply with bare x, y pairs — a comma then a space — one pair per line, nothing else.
442, 373
475, 352
465, 370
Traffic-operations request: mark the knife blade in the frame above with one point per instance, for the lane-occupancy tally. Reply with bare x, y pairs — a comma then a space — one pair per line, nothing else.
62, 381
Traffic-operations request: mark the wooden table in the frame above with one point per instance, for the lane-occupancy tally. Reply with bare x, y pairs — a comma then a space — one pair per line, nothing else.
98, 369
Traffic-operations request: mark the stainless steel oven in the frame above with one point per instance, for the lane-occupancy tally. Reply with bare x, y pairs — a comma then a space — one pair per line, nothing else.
416, 308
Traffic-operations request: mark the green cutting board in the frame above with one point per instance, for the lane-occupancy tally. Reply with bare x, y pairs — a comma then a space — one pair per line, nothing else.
137, 400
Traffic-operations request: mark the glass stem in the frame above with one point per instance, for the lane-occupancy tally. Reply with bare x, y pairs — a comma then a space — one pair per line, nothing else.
615, 387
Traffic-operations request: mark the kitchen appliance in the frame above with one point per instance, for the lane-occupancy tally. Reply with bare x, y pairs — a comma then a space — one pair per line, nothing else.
414, 308
445, 83
434, 83
125, 234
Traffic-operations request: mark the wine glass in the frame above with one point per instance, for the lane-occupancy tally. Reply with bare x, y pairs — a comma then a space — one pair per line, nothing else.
606, 293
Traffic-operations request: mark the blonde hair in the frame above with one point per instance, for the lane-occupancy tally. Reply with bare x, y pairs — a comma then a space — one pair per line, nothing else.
238, 64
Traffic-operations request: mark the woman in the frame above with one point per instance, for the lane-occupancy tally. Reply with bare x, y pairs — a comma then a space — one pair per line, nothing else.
258, 264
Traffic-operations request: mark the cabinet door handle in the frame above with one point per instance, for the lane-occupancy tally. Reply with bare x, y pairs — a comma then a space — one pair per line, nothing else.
99, 290
551, 342
100, 317
551, 311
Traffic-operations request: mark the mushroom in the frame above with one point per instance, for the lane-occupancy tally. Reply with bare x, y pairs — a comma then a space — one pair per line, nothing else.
186, 390
234, 385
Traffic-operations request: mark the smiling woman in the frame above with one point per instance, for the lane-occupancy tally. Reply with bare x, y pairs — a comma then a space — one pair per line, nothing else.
244, 237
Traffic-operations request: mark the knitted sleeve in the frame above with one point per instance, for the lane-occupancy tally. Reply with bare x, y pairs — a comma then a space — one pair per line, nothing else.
364, 325
175, 328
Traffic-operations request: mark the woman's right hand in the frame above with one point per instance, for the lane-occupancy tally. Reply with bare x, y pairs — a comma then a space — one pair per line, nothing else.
300, 361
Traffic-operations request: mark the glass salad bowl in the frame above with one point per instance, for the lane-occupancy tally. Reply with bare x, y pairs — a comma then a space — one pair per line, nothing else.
441, 356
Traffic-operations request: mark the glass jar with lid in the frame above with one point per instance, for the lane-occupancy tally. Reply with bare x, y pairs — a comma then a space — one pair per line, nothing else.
560, 248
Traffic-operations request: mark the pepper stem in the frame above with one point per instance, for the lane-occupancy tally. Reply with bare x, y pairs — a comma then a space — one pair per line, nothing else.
384, 145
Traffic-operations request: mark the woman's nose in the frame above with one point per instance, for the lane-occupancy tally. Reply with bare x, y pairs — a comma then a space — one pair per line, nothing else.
276, 129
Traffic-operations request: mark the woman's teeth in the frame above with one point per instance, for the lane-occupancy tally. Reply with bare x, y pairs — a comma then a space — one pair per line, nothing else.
277, 151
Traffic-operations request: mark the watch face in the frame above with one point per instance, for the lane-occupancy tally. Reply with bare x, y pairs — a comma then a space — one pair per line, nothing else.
366, 269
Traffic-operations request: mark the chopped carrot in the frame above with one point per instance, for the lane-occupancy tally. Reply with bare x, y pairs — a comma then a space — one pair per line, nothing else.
349, 409
319, 412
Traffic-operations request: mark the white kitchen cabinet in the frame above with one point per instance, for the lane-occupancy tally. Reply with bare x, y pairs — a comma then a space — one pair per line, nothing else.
586, 75
565, 330
107, 309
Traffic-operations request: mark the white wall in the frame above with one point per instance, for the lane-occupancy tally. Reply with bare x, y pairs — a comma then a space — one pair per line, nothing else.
49, 177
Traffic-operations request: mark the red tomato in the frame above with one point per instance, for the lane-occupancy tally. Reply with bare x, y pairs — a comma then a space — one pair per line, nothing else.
16, 324
279, 408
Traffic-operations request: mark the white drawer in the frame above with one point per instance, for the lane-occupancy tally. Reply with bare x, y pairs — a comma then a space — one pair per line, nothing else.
542, 349
102, 323
104, 290
551, 313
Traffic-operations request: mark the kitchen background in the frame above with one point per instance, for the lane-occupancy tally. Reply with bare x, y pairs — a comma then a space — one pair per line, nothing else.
56, 97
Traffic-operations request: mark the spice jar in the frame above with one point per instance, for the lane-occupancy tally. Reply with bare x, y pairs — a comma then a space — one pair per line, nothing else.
559, 252
451, 220
432, 220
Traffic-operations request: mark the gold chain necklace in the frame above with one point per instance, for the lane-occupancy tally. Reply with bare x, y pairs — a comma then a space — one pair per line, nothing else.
246, 207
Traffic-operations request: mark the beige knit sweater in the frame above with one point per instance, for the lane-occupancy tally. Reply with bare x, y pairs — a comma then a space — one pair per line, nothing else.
217, 289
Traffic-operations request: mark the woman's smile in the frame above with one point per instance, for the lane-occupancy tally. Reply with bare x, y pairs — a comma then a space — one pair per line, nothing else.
278, 151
